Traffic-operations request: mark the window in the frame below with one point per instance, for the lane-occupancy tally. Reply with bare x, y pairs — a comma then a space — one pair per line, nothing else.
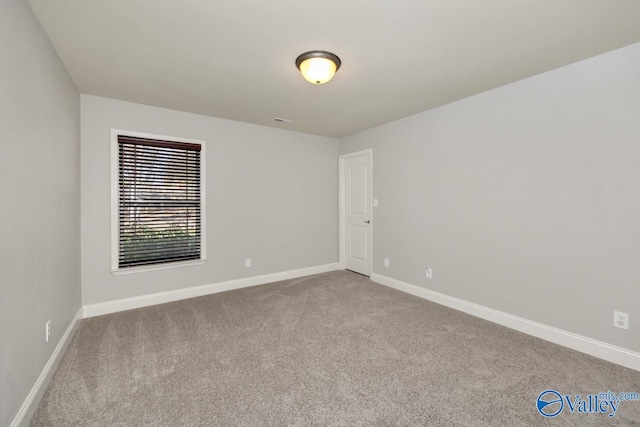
158, 201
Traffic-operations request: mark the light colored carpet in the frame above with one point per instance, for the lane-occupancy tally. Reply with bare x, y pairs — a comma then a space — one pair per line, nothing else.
329, 350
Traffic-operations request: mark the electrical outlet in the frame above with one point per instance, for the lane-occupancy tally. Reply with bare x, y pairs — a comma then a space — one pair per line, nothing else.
429, 273
386, 262
247, 263
621, 320
47, 331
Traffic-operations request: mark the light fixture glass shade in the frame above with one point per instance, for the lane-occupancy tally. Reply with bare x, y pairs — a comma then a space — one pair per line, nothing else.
318, 70
318, 66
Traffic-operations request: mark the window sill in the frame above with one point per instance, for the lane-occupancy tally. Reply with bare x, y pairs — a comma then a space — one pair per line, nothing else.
143, 269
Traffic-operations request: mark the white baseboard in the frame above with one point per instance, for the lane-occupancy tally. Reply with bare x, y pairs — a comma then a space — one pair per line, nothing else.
30, 404
599, 349
108, 307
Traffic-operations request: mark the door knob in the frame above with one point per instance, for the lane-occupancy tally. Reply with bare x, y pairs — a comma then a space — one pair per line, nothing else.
368, 222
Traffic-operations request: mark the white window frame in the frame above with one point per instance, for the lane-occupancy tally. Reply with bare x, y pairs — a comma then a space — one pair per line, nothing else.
115, 224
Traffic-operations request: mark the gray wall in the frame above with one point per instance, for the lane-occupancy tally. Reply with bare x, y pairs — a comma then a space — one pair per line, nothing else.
271, 196
524, 199
40, 214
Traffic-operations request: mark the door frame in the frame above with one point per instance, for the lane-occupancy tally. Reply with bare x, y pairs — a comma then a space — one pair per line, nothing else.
342, 205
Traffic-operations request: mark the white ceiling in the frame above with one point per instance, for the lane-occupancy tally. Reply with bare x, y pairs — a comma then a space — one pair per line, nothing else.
235, 58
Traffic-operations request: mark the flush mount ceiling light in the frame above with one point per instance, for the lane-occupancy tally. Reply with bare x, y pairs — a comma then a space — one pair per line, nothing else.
318, 66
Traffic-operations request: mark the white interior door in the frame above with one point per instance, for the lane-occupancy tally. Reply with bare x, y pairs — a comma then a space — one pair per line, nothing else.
357, 212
